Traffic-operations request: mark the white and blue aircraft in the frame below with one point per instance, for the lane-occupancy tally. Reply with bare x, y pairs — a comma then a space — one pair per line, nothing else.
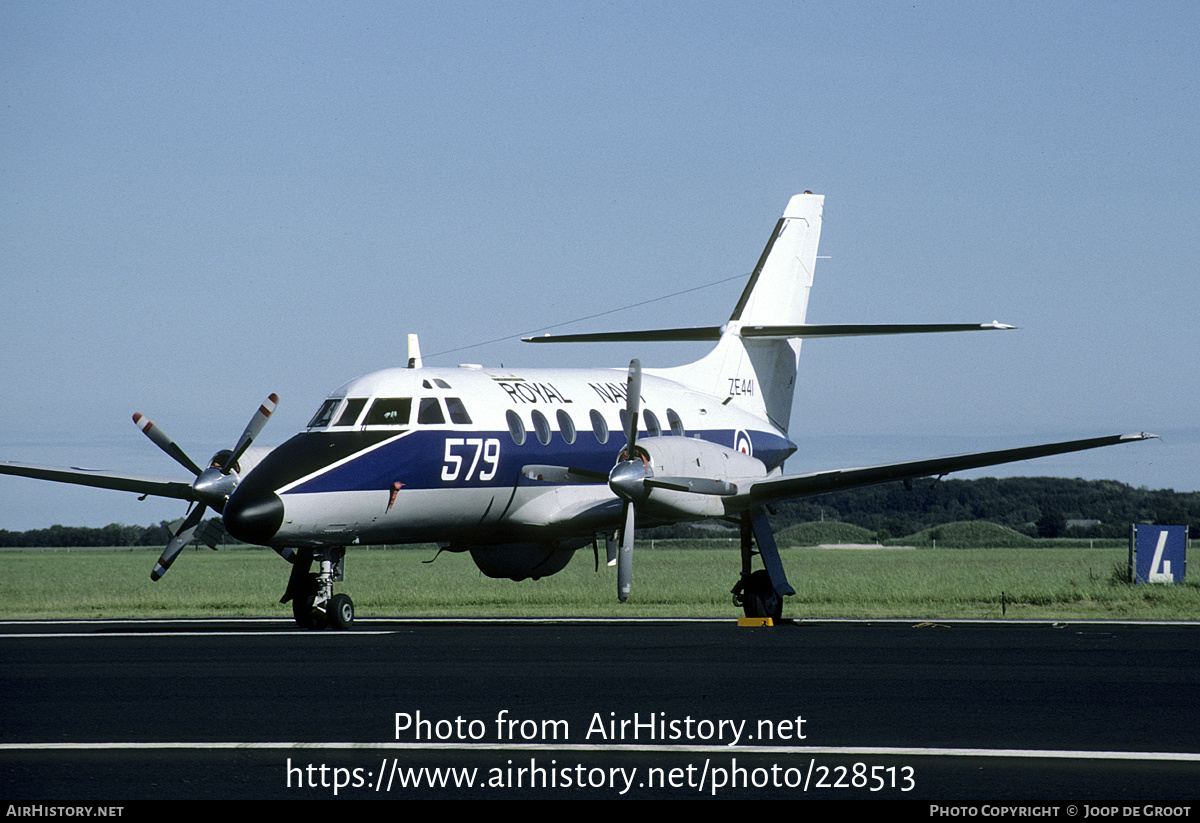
523, 467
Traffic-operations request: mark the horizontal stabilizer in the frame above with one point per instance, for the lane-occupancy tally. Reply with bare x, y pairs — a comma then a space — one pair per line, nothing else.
803, 485
701, 334
802, 331
864, 330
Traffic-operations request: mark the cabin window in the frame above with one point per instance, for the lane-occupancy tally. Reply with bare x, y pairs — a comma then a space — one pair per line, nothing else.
430, 412
458, 412
566, 427
325, 413
652, 426
351, 412
676, 422
599, 427
542, 426
389, 411
515, 427
624, 415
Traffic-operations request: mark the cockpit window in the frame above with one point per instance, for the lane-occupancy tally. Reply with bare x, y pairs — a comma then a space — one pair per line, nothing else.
430, 411
351, 412
458, 412
325, 413
389, 411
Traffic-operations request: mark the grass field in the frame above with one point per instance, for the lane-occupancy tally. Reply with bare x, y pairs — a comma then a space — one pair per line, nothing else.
1056, 584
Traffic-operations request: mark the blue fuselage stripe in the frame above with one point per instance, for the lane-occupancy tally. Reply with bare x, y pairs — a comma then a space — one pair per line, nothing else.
464, 458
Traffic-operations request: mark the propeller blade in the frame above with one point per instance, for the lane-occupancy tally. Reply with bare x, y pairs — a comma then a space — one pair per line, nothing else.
255, 426
176, 544
164, 442
633, 402
695, 485
625, 558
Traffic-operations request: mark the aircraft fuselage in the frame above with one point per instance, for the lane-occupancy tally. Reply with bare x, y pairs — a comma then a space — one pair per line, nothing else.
376, 462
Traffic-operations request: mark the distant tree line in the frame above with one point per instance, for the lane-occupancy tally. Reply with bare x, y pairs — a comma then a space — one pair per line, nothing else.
1037, 506
114, 534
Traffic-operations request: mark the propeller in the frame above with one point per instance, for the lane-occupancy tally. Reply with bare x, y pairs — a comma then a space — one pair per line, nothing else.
632, 480
212, 486
164, 442
627, 479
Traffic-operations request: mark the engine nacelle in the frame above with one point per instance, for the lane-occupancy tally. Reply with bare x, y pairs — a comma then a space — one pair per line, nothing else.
719, 473
691, 457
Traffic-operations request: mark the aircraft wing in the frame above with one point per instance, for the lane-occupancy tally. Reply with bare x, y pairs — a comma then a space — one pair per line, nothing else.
804, 485
141, 484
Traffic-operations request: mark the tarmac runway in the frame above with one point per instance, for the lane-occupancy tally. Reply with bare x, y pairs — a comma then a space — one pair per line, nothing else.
1078, 713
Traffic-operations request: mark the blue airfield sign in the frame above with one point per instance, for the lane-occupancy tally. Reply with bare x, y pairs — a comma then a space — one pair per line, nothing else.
1160, 553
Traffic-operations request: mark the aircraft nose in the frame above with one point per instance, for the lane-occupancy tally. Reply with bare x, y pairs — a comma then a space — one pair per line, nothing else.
253, 516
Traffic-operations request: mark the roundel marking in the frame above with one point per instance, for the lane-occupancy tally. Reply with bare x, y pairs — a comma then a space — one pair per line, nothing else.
741, 443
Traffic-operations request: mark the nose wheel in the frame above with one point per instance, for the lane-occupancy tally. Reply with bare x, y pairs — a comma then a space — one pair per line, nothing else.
314, 606
341, 611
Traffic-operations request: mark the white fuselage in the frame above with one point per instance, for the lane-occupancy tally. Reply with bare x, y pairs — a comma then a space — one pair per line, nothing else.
436, 455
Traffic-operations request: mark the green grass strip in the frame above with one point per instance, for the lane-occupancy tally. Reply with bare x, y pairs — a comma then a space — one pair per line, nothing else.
1055, 584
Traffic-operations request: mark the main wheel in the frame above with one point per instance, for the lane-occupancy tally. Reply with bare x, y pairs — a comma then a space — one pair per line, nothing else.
759, 598
341, 611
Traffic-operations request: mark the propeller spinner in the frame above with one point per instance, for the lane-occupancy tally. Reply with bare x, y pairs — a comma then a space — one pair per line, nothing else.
212, 486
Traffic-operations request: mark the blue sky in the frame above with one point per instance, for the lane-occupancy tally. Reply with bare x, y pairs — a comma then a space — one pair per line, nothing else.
203, 203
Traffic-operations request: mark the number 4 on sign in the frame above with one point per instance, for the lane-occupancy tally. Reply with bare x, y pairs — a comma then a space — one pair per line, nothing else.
1163, 576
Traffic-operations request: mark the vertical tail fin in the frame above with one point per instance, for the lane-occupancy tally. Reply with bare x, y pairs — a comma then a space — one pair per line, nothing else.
754, 363
759, 374
753, 366
777, 294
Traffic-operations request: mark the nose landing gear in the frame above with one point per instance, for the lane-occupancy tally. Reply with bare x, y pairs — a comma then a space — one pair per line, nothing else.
314, 605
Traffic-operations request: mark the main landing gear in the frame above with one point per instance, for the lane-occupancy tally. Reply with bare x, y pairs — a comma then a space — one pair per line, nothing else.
760, 593
314, 605
756, 596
